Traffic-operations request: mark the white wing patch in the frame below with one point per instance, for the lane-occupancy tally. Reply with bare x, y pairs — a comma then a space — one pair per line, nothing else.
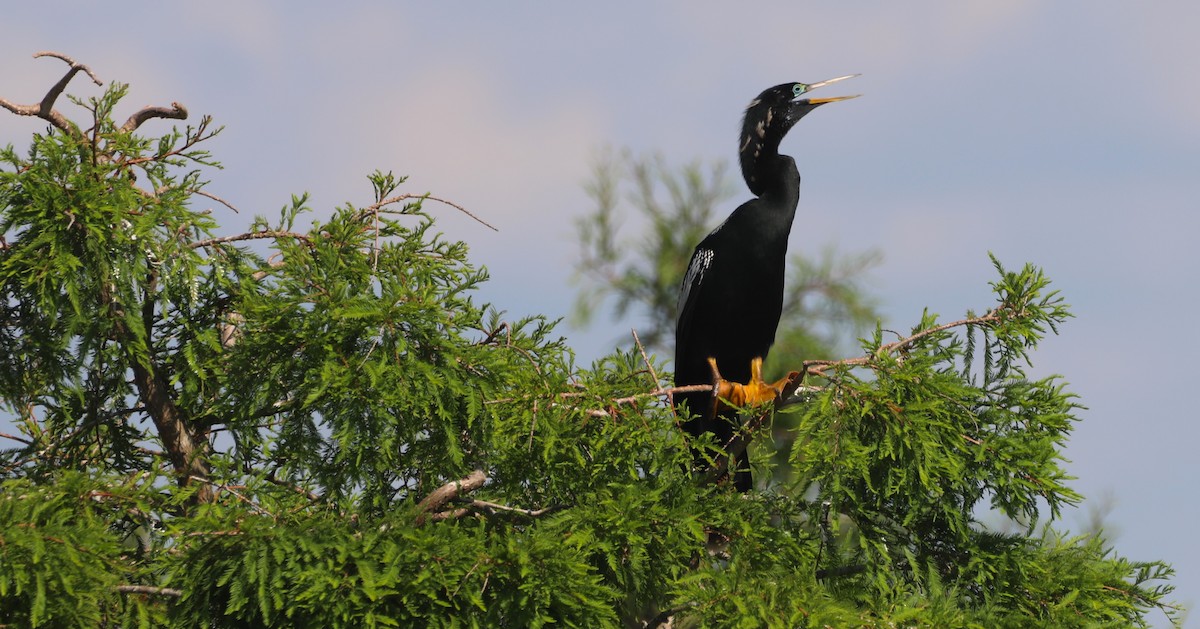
700, 263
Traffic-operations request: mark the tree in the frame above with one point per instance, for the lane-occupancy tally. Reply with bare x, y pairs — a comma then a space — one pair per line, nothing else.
320, 427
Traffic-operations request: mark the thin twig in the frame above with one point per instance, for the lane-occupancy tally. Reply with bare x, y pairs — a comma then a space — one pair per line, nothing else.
217, 199
645, 358
16, 438
200, 134
223, 487
376, 207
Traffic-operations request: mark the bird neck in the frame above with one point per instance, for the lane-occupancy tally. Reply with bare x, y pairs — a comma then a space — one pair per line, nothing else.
777, 182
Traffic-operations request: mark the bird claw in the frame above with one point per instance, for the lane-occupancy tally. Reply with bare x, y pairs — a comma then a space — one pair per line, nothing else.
752, 393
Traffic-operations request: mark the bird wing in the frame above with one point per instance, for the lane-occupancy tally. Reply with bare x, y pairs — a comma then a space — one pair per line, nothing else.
701, 260
688, 366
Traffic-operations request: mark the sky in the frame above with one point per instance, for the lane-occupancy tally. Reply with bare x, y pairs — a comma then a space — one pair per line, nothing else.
1065, 134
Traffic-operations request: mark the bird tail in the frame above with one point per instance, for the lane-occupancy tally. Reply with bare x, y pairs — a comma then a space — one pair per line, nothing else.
742, 479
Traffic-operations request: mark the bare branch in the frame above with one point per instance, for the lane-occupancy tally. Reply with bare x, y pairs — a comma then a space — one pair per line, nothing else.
440, 496
45, 109
175, 112
75, 67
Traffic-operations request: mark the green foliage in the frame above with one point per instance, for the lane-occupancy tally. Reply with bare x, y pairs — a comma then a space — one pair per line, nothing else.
65, 550
357, 442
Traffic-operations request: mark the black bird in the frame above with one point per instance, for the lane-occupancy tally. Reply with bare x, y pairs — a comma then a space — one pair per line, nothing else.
732, 294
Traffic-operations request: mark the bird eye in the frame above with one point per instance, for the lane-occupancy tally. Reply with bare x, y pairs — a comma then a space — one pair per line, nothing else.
799, 89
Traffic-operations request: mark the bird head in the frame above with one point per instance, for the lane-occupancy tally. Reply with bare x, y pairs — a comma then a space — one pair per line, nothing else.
771, 115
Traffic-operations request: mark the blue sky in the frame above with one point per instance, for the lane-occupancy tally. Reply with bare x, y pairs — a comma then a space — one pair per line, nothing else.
1065, 134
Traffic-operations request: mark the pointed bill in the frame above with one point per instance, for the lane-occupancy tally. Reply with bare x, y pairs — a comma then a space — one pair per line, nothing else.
813, 86
832, 99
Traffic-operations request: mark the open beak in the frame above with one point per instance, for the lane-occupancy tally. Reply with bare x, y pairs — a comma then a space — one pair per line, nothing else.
834, 99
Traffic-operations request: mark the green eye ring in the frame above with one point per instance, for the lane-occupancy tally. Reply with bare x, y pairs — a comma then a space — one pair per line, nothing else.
799, 89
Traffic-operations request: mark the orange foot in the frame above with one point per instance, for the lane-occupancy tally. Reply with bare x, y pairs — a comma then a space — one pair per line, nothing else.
750, 394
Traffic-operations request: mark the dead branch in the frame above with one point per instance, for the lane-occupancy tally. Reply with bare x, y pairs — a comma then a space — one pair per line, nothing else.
175, 112
440, 496
45, 109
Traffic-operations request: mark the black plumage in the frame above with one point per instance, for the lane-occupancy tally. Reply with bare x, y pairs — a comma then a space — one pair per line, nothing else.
732, 294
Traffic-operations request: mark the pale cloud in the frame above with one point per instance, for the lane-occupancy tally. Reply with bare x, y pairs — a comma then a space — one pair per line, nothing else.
466, 135
798, 35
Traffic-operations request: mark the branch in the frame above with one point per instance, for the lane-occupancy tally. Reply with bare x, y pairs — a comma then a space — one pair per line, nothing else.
16, 438
440, 496
149, 589
533, 513
157, 397
741, 439
45, 109
229, 488
175, 112
248, 236
217, 199
819, 367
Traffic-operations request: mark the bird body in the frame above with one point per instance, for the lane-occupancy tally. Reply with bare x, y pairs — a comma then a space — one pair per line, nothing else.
732, 293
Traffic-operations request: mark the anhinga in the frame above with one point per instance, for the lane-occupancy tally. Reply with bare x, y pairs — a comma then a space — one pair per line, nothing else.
732, 294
